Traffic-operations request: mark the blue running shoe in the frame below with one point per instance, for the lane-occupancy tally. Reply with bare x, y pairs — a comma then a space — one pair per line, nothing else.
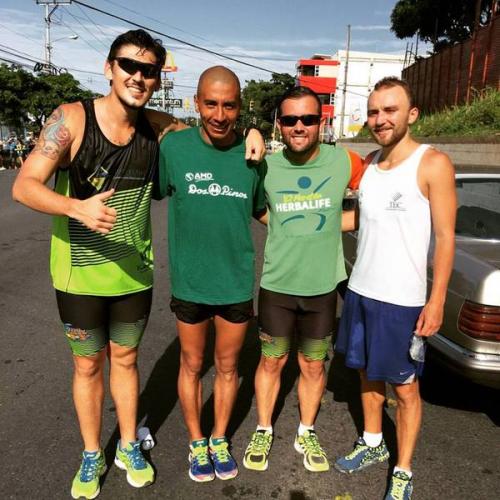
400, 488
200, 468
362, 456
224, 464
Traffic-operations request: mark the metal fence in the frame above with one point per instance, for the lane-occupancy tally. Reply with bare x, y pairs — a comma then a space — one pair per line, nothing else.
452, 76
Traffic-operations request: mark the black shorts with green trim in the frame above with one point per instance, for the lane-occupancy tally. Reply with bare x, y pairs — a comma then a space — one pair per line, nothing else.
91, 321
282, 315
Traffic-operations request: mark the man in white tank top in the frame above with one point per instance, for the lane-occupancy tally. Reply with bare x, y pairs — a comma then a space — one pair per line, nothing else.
405, 186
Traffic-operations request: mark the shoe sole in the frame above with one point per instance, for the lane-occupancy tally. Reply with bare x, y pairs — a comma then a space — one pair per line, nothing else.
230, 475
130, 481
360, 468
258, 469
299, 449
96, 494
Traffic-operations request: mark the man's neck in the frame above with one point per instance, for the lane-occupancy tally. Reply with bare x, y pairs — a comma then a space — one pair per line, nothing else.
303, 157
395, 154
119, 113
225, 143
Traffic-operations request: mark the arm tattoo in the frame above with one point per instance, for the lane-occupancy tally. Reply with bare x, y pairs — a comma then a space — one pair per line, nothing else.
54, 138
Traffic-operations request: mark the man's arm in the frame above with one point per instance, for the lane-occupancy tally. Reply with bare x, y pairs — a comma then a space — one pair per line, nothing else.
255, 146
350, 220
439, 177
51, 151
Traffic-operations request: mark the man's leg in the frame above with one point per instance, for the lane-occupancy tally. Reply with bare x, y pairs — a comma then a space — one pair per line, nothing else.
311, 386
408, 419
267, 386
228, 343
88, 396
124, 384
192, 338
128, 318
372, 400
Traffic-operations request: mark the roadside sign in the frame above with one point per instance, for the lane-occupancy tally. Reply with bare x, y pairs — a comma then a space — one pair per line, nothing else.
170, 102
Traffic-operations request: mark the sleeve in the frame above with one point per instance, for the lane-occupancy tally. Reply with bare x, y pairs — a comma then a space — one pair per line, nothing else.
357, 169
259, 200
162, 177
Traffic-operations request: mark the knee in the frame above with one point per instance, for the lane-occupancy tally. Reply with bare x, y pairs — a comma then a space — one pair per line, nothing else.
407, 395
310, 368
226, 367
191, 364
88, 367
124, 361
273, 364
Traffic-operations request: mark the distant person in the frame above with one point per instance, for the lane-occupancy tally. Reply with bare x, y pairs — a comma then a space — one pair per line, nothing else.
405, 186
104, 153
303, 264
213, 193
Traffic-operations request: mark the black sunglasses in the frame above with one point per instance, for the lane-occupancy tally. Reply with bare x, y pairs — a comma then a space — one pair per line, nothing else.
131, 67
307, 120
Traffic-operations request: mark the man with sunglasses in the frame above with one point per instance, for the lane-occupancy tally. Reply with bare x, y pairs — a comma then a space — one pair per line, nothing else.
104, 153
303, 263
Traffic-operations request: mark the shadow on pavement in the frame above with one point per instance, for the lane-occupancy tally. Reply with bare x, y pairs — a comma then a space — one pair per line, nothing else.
442, 387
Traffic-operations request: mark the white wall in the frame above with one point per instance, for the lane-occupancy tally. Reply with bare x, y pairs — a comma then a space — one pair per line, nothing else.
364, 70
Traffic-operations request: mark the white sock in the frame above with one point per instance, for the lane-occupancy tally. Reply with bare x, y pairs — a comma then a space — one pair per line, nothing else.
303, 428
372, 439
263, 428
406, 471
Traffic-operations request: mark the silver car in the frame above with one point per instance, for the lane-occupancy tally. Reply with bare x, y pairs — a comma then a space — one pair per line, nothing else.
469, 339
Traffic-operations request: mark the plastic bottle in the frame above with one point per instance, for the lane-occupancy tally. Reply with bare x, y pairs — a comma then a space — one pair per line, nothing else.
145, 437
417, 348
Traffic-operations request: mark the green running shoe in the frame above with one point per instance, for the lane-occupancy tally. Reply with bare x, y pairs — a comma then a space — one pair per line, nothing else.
362, 456
139, 471
401, 487
86, 482
257, 450
314, 456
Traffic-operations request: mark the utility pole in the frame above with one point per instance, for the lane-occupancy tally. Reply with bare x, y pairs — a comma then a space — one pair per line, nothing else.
344, 90
50, 7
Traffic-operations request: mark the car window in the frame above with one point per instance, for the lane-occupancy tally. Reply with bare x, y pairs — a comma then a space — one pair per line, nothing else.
478, 214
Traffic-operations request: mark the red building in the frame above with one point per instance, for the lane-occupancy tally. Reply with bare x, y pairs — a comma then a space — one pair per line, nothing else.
320, 74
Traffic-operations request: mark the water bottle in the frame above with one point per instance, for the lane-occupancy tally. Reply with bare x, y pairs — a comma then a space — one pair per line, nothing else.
145, 437
417, 348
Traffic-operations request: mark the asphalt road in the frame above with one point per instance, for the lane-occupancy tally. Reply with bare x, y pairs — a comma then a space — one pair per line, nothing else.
458, 456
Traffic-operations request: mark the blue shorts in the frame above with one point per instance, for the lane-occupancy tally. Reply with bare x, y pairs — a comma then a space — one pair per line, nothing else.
375, 336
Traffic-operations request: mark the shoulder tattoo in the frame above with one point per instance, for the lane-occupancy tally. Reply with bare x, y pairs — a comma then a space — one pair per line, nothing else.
55, 137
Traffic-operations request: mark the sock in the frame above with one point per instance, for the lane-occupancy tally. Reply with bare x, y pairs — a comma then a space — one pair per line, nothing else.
406, 471
372, 439
264, 428
303, 428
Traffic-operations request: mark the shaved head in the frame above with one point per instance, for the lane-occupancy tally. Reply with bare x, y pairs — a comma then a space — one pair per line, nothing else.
218, 74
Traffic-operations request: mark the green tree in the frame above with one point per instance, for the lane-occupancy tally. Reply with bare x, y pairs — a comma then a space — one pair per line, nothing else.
26, 100
440, 22
259, 100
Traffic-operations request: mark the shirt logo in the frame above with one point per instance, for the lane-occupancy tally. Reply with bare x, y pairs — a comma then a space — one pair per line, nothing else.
215, 189
395, 203
295, 201
199, 176
98, 177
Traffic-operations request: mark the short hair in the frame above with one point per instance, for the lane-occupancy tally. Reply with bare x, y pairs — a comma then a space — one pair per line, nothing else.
393, 81
296, 93
141, 39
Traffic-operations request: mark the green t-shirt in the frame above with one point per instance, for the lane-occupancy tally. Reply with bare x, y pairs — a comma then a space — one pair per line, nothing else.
303, 254
214, 193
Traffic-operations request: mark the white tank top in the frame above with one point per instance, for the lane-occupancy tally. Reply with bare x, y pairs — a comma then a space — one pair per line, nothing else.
394, 234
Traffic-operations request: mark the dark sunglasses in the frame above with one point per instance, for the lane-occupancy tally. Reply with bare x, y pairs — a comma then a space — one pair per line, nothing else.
307, 120
131, 67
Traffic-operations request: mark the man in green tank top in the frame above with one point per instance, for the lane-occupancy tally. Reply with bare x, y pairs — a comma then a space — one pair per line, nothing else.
303, 264
104, 154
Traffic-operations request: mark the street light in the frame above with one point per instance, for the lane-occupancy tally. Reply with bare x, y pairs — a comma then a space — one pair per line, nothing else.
71, 37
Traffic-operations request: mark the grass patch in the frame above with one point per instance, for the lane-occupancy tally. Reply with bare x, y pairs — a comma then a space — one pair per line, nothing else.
481, 117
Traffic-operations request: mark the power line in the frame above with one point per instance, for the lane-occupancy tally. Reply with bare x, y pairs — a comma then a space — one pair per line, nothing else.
213, 52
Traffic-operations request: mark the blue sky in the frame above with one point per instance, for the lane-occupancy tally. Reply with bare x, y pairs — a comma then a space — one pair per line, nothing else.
272, 34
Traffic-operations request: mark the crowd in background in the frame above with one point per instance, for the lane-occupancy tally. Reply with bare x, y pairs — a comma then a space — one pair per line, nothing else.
14, 150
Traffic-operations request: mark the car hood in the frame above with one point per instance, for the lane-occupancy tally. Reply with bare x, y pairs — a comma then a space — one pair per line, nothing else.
486, 250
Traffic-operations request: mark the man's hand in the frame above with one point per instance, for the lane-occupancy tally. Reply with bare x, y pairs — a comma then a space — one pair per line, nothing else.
430, 320
94, 213
255, 146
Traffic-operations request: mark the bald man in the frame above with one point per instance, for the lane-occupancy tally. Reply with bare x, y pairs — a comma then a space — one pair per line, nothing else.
213, 193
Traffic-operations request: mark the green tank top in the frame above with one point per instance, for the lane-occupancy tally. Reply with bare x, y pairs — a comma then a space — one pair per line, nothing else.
87, 263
